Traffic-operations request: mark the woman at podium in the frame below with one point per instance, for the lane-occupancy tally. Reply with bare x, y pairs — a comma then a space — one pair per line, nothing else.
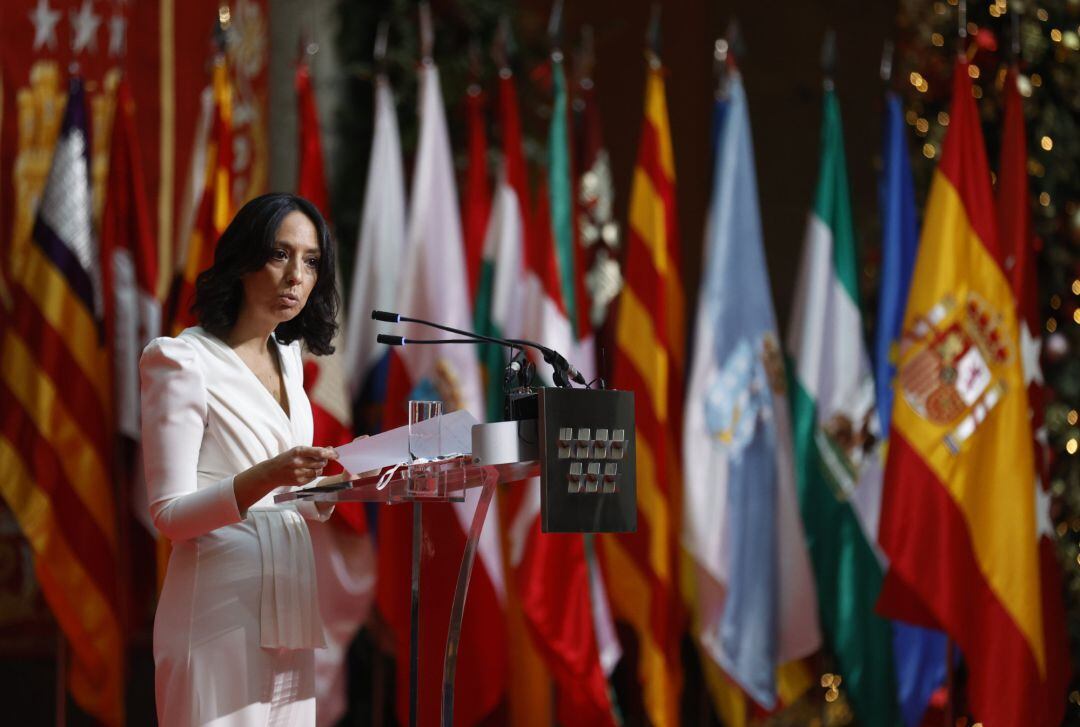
225, 424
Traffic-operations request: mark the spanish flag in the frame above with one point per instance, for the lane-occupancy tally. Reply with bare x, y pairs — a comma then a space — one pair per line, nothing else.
215, 209
56, 438
650, 336
958, 519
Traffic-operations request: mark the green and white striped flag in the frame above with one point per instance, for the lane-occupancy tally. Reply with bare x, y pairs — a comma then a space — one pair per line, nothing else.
835, 424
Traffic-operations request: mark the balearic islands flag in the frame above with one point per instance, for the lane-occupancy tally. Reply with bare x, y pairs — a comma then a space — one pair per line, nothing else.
56, 442
754, 603
434, 287
958, 519
641, 567
835, 423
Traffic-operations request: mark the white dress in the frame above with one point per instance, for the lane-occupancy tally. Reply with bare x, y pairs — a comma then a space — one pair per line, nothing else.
238, 616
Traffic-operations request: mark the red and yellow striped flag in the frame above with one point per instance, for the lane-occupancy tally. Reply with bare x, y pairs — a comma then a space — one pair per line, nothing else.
56, 434
650, 334
958, 520
215, 207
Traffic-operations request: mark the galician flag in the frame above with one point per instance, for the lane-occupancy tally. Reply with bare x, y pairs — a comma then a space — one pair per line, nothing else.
753, 601
434, 286
835, 423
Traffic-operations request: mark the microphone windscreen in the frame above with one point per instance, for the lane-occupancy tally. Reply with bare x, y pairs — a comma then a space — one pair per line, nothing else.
390, 340
384, 316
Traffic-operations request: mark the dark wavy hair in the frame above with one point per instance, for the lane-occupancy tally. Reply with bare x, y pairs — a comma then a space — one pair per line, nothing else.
245, 247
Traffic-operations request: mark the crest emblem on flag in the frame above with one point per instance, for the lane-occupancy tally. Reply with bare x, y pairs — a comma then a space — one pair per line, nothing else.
948, 362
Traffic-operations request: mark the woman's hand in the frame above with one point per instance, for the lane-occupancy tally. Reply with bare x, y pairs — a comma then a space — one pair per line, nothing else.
296, 466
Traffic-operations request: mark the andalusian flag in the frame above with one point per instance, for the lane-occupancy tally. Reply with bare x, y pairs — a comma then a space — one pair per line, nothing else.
650, 333
56, 434
958, 521
835, 422
215, 208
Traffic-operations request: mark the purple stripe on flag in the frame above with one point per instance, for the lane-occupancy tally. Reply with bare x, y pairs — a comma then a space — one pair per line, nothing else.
61, 256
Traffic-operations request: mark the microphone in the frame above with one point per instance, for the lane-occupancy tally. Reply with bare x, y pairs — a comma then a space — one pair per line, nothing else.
563, 370
402, 341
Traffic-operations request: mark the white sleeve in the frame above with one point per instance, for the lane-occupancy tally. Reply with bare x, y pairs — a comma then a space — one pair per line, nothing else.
173, 423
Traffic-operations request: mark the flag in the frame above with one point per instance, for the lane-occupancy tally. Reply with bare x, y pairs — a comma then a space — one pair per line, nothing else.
598, 233
311, 177
215, 207
376, 272
477, 191
324, 376
641, 567
755, 605
56, 436
552, 571
500, 312
918, 653
958, 521
835, 424
434, 286
129, 263
129, 256
344, 556
561, 188
1018, 245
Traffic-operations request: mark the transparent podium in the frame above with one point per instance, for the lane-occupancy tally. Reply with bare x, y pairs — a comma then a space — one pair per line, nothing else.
579, 442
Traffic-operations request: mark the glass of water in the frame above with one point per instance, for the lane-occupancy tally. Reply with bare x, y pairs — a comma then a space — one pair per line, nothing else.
425, 443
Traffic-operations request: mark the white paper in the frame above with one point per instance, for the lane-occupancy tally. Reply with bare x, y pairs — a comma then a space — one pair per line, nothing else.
446, 435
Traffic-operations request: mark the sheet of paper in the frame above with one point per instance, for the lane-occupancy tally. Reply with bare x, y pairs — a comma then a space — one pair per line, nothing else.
454, 436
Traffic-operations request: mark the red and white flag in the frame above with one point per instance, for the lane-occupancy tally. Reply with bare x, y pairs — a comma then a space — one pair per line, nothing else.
434, 286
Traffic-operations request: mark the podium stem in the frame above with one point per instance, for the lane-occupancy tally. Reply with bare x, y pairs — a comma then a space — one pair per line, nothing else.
414, 616
453, 636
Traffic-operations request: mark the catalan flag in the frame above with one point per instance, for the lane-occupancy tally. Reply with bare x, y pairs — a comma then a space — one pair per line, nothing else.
55, 426
215, 209
958, 520
641, 567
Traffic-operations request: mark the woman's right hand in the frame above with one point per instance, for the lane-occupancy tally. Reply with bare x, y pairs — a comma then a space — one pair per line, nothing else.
296, 466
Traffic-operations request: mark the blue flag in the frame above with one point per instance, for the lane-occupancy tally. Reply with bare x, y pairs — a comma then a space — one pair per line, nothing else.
741, 521
918, 653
